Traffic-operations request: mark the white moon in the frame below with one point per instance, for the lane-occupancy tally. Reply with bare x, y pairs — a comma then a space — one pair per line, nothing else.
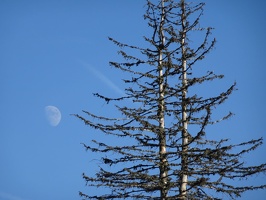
53, 115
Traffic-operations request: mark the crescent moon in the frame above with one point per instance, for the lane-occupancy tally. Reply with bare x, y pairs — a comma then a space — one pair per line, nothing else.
53, 115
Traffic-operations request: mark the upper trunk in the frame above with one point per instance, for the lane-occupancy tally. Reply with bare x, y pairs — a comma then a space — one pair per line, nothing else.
161, 108
184, 158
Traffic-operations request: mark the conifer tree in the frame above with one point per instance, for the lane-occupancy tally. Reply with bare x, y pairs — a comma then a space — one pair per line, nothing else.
164, 151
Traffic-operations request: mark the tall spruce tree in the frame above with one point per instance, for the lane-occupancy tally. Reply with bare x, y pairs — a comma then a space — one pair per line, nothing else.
164, 151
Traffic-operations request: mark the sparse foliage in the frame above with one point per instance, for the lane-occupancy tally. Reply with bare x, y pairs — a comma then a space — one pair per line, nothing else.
164, 151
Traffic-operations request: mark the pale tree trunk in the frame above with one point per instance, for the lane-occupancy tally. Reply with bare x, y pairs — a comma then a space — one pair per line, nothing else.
162, 136
184, 177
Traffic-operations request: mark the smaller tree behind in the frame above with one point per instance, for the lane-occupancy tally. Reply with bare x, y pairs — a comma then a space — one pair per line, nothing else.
164, 151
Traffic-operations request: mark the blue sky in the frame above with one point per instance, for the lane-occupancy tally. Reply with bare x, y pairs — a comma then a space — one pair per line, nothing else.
56, 52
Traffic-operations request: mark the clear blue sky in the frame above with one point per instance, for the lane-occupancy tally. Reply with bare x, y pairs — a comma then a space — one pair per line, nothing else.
56, 52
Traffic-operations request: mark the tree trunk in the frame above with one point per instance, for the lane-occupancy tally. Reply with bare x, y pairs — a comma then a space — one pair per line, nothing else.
162, 136
184, 176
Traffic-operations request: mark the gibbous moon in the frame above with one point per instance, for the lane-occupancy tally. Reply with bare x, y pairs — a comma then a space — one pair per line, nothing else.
53, 115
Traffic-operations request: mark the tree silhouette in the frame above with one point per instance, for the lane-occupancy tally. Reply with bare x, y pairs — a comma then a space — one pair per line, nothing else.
163, 150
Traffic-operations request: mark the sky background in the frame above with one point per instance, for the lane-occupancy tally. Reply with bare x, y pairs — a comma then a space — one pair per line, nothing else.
56, 52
